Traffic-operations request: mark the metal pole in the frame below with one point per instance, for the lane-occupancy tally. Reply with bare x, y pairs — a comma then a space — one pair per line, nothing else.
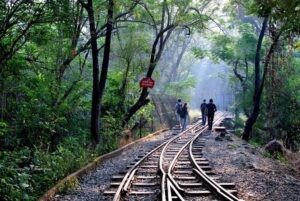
140, 124
152, 125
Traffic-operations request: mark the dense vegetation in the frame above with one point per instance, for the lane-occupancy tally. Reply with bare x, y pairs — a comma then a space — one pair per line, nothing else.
265, 55
69, 74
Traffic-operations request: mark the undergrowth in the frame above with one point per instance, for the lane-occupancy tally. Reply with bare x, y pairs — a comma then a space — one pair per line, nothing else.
277, 156
27, 173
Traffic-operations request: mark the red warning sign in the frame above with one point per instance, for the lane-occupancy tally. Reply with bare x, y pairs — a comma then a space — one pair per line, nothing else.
147, 82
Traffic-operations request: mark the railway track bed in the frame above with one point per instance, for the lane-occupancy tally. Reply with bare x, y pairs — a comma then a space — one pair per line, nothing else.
173, 170
254, 177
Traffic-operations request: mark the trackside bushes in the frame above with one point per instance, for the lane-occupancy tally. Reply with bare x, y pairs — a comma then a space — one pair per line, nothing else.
25, 174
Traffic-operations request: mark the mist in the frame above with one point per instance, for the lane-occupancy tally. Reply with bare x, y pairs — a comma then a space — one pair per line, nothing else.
212, 82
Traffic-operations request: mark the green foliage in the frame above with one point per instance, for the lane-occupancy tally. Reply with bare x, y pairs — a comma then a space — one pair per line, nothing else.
112, 131
69, 185
15, 182
27, 173
230, 49
45, 99
181, 88
245, 46
223, 48
3, 129
256, 142
278, 156
284, 11
198, 53
279, 112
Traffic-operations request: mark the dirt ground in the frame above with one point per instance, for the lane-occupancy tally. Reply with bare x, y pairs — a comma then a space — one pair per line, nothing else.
256, 176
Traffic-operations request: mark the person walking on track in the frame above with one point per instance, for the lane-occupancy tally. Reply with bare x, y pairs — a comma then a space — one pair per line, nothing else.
184, 116
211, 109
178, 108
203, 112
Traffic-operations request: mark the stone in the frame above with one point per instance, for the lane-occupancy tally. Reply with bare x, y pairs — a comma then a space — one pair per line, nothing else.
218, 138
228, 138
250, 166
275, 146
228, 123
220, 129
230, 146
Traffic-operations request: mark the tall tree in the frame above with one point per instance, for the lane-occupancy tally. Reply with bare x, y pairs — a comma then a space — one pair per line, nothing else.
183, 18
98, 84
281, 15
257, 93
16, 20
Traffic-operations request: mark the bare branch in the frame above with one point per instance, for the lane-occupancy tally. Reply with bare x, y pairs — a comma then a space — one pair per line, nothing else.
151, 16
136, 21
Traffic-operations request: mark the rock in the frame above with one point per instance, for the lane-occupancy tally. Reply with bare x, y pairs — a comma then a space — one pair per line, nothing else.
297, 165
218, 138
195, 119
230, 146
222, 134
250, 166
253, 151
250, 195
294, 159
275, 146
292, 180
228, 138
228, 123
231, 131
220, 129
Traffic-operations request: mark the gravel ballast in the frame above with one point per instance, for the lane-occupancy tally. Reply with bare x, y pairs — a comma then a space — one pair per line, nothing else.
93, 184
256, 177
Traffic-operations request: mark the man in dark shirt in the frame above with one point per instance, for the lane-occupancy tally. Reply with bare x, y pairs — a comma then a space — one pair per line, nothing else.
178, 108
211, 109
203, 112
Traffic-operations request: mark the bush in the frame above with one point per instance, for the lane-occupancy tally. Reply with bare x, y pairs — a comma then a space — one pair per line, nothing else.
26, 174
16, 178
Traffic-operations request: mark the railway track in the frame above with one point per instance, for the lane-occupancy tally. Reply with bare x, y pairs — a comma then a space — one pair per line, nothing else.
173, 170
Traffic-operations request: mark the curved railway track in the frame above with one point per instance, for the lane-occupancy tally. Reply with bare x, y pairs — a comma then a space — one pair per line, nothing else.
174, 170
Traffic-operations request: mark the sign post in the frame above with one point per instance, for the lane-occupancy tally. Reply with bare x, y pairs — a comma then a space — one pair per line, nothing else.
147, 82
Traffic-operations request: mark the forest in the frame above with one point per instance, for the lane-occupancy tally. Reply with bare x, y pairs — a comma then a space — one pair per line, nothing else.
70, 73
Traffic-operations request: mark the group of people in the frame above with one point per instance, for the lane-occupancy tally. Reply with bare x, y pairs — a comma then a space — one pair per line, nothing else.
207, 110
181, 114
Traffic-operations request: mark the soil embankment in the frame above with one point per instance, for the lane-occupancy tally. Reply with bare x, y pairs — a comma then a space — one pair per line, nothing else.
256, 176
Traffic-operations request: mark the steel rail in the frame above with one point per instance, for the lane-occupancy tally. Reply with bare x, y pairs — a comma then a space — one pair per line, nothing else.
167, 176
123, 187
130, 173
218, 189
172, 165
164, 175
170, 188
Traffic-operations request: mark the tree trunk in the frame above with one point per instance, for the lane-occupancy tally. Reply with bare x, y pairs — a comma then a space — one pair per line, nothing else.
142, 101
123, 88
99, 86
105, 62
95, 94
256, 97
243, 83
256, 104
